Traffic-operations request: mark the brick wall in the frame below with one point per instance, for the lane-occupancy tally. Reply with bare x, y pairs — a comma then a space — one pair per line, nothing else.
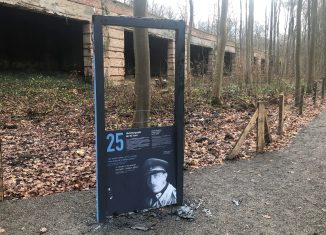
113, 36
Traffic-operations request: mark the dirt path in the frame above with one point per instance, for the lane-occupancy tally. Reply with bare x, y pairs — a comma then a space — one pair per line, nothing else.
279, 193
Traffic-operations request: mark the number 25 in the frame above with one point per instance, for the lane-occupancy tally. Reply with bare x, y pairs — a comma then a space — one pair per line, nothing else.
117, 139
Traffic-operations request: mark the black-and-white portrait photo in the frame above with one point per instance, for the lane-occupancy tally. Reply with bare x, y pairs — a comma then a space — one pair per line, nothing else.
162, 193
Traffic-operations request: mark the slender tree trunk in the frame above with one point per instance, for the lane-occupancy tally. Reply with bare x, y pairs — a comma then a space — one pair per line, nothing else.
266, 42
241, 44
324, 28
191, 22
218, 78
251, 22
235, 34
217, 31
308, 38
277, 41
142, 67
218, 17
297, 55
218, 20
320, 42
247, 72
240, 30
106, 40
270, 48
249, 44
285, 43
311, 70
274, 36
289, 41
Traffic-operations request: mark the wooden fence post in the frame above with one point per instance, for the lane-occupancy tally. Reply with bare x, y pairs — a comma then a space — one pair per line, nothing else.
261, 127
314, 98
263, 132
1, 176
281, 114
268, 136
236, 149
323, 90
301, 100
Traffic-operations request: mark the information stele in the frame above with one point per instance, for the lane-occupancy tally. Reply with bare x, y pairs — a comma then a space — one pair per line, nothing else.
138, 168
127, 152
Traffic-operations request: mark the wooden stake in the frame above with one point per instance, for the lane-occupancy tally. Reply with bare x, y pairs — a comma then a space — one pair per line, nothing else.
236, 149
261, 127
301, 101
314, 98
323, 90
268, 136
1, 177
281, 114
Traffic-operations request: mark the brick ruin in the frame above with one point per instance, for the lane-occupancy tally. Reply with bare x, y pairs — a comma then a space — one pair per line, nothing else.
56, 35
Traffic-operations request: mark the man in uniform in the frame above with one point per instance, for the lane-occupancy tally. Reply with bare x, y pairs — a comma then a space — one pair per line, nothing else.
163, 193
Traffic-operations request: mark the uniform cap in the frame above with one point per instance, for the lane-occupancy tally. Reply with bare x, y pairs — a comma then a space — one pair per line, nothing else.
155, 165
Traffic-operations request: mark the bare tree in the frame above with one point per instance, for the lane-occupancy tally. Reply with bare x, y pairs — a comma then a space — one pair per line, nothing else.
320, 41
218, 77
182, 10
297, 55
106, 42
142, 69
270, 47
266, 42
162, 11
241, 43
276, 35
324, 29
311, 62
249, 43
191, 22
290, 39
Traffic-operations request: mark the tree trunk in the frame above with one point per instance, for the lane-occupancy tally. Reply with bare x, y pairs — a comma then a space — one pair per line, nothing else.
191, 22
277, 41
311, 68
289, 41
274, 36
142, 69
270, 52
266, 42
218, 78
308, 38
319, 43
249, 44
297, 55
324, 28
106, 40
285, 45
241, 45
218, 20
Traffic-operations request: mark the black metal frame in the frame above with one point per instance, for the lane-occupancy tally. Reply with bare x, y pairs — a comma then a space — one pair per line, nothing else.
101, 170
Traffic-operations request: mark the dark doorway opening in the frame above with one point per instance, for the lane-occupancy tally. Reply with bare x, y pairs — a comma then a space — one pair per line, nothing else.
262, 65
228, 62
35, 41
158, 55
255, 60
198, 60
129, 54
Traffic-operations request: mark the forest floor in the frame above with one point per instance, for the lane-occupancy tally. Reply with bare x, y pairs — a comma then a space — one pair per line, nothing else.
47, 128
280, 192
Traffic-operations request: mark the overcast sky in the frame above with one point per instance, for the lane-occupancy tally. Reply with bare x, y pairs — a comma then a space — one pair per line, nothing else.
204, 8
